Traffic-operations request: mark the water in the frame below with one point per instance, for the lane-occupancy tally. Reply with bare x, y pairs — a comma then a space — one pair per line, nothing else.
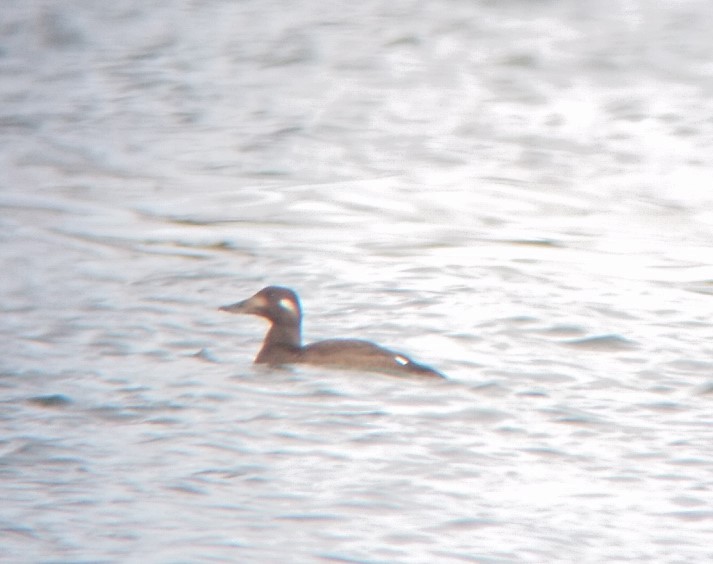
516, 193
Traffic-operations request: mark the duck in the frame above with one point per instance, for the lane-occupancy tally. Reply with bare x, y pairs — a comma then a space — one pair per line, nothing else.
282, 346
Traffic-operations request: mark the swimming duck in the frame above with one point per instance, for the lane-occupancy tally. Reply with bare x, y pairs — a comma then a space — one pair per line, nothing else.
283, 342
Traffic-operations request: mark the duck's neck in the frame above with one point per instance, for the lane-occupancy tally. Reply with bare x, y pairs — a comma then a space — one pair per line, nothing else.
285, 335
281, 343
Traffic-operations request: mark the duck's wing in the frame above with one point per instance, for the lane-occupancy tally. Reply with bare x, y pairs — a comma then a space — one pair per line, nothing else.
357, 354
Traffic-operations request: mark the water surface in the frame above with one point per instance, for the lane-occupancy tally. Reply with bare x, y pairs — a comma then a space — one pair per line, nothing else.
517, 194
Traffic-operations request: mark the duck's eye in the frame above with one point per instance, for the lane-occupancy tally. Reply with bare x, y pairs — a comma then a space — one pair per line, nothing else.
289, 305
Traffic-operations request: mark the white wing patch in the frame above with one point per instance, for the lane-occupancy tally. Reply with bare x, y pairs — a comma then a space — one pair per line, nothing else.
402, 360
289, 305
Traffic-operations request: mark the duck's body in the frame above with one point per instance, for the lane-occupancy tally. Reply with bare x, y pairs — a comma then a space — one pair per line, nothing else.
283, 342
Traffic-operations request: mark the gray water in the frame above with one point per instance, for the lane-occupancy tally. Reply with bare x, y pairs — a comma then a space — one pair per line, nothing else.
517, 193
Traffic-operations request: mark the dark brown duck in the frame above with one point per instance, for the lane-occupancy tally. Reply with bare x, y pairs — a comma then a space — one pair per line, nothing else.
283, 342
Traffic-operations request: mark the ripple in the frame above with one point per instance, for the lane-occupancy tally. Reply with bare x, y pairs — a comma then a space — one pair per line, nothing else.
310, 517
611, 342
469, 523
54, 400
255, 206
692, 516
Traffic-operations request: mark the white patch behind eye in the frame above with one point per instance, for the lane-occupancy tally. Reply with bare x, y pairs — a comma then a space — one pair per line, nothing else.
402, 360
289, 305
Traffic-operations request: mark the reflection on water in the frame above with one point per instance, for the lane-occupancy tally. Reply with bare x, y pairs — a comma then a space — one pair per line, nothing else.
520, 199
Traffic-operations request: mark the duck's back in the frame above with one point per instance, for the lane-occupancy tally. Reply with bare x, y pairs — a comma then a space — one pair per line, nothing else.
364, 355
